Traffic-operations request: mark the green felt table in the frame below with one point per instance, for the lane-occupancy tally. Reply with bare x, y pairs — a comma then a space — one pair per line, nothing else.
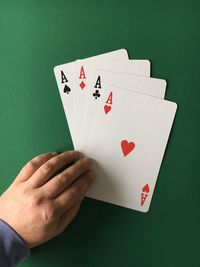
37, 35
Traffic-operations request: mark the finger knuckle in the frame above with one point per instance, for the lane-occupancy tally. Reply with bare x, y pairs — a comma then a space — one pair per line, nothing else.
36, 200
81, 163
69, 174
47, 167
33, 163
50, 213
78, 167
61, 179
73, 154
75, 191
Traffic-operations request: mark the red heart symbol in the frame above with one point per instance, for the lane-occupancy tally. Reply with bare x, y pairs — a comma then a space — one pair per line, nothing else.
107, 108
145, 189
127, 147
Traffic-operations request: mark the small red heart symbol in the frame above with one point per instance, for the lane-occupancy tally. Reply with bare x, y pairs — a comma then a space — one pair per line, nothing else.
127, 147
145, 189
107, 108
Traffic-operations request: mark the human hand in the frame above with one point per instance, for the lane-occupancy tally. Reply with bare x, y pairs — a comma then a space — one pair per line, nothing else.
39, 204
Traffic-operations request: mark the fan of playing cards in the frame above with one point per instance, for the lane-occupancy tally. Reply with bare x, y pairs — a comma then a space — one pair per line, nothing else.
117, 116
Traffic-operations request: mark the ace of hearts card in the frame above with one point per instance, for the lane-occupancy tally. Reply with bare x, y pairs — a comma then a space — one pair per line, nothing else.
128, 142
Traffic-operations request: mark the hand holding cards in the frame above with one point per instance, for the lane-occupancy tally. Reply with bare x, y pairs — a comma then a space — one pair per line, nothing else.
117, 116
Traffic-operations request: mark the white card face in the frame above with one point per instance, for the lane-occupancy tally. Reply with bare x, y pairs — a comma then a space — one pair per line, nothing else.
132, 66
65, 80
65, 75
99, 83
127, 145
82, 77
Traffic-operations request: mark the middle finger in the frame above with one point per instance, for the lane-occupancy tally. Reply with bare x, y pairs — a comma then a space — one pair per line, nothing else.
58, 183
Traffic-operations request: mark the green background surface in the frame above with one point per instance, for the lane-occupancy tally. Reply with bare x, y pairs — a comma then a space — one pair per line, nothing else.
37, 35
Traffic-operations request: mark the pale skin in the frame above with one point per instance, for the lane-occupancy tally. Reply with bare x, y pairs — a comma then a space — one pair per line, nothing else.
40, 204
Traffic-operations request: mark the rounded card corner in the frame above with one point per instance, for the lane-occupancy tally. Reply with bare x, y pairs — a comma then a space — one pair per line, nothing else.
175, 105
125, 51
164, 82
55, 69
146, 210
148, 62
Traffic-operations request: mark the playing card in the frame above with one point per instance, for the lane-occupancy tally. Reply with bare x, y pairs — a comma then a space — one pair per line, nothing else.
132, 66
82, 77
127, 144
65, 80
99, 83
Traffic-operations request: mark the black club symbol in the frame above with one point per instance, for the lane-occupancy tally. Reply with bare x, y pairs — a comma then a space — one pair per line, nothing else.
96, 94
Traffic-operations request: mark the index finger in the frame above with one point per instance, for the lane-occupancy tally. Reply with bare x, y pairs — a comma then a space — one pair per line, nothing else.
50, 167
33, 165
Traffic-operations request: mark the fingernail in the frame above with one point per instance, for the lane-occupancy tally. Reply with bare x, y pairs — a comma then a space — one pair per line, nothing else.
87, 160
72, 152
54, 153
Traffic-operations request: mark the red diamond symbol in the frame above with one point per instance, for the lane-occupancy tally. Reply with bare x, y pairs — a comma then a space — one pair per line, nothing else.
82, 85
